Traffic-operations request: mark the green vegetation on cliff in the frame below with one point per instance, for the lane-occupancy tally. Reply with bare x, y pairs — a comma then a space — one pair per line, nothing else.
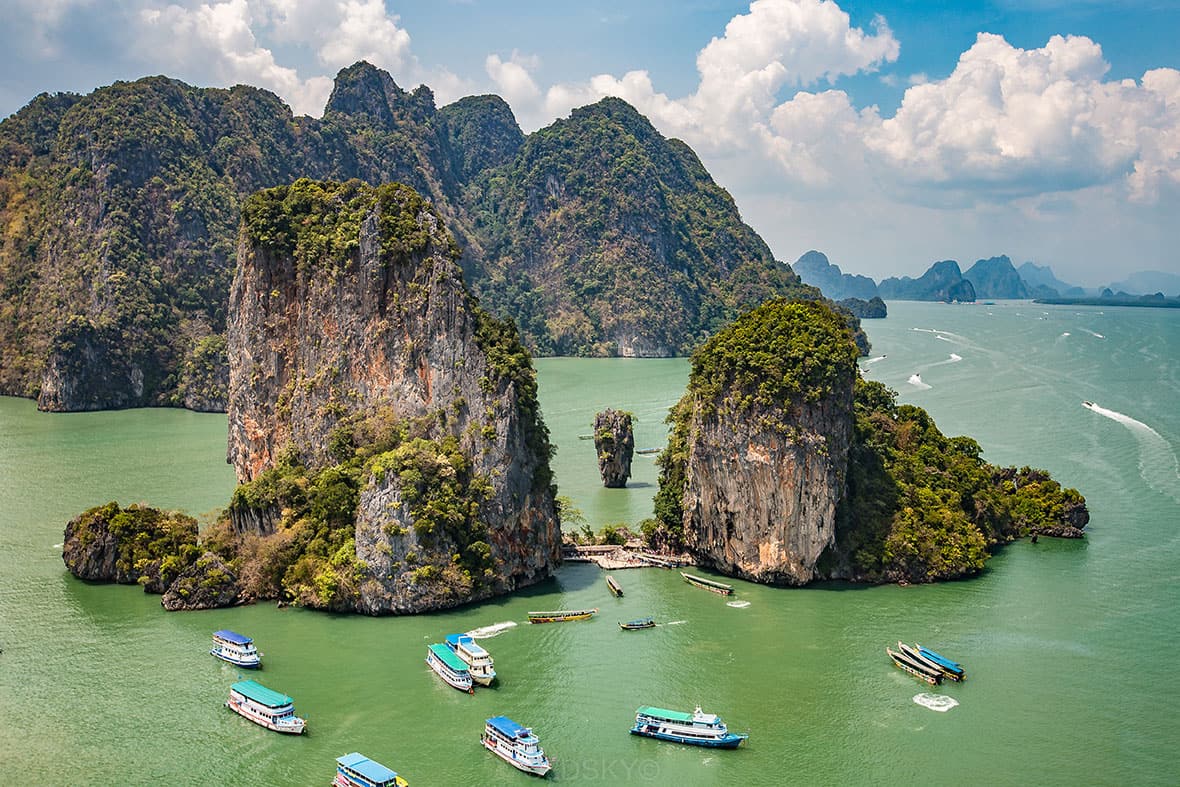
922, 506
136, 544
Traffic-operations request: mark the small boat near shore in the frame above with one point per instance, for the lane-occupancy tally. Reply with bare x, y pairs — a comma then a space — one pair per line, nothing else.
645, 451
561, 616
479, 662
615, 588
636, 625
236, 648
516, 745
357, 770
915, 654
696, 729
265, 707
708, 584
449, 667
951, 669
915, 668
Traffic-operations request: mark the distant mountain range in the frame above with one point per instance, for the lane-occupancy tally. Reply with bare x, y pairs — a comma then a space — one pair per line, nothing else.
995, 277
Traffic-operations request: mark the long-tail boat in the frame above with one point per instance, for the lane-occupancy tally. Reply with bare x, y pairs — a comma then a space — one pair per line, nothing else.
615, 588
561, 616
636, 625
917, 669
951, 669
708, 584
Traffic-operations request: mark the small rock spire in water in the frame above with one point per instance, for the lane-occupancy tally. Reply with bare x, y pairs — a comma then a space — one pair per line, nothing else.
615, 443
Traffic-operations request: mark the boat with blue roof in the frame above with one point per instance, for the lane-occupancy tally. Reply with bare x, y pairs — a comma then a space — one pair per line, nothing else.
696, 729
357, 770
515, 744
269, 708
479, 662
952, 669
236, 648
448, 666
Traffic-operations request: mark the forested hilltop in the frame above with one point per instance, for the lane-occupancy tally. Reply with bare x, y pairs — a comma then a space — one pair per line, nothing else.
119, 211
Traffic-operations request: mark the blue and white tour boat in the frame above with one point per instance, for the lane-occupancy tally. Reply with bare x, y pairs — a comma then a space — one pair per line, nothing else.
479, 662
235, 648
357, 770
696, 728
515, 745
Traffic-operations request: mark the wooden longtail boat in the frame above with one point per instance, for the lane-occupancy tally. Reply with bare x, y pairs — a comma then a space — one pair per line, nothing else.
615, 588
561, 616
708, 584
636, 625
916, 669
951, 669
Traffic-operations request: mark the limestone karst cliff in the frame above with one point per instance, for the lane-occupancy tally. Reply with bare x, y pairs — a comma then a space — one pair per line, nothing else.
385, 428
614, 442
760, 442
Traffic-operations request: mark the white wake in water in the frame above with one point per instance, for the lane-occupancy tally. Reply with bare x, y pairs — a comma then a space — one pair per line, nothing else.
878, 358
675, 622
1092, 333
1065, 334
942, 338
57, 546
494, 630
1157, 461
916, 381
939, 334
737, 604
955, 357
938, 702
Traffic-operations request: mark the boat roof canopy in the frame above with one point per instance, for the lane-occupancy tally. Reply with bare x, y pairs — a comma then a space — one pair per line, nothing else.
448, 657
507, 726
259, 693
370, 769
671, 715
232, 636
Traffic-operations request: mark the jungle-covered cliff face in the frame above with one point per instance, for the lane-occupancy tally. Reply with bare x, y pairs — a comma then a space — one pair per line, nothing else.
119, 213
762, 440
385, 428
782, 466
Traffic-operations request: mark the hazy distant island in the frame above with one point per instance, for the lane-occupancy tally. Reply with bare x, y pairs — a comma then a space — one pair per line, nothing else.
1108, 298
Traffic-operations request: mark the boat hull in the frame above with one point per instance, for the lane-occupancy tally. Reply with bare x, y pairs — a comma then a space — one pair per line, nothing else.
255, 663
483, 680
903, 663
460, 682
708, 584
561, 617
246, 712
490, 743
729, 741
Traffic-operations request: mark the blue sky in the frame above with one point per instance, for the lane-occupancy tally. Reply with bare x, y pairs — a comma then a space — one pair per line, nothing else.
887, 134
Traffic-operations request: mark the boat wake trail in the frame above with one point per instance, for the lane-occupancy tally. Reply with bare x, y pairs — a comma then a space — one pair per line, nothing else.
1092, 333
494, 630
938, 702
916, 381
940, 334
878, 358
1157, 461
737, 604
675, 622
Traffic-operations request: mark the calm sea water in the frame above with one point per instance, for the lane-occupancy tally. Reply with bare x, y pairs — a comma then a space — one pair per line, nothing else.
1071, 645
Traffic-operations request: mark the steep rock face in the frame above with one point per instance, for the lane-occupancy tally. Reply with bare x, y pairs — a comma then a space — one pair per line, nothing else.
348, 304
996, 277
614, 440
130, 545
873, 309
207, 584
764, 433
943, 281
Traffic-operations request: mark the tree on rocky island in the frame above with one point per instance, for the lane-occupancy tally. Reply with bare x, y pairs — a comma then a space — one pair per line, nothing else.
614, 441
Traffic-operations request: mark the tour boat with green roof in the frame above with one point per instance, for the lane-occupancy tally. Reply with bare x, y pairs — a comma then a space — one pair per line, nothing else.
696, 728
479, 662
264, 706
449, 667
515, 744
236, 648
357, 770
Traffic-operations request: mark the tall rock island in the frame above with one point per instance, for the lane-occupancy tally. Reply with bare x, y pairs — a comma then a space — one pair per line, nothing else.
760, 442
784, 467
614, 442
385, 429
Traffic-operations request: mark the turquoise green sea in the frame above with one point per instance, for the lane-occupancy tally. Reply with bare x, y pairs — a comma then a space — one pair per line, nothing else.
1071, 645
